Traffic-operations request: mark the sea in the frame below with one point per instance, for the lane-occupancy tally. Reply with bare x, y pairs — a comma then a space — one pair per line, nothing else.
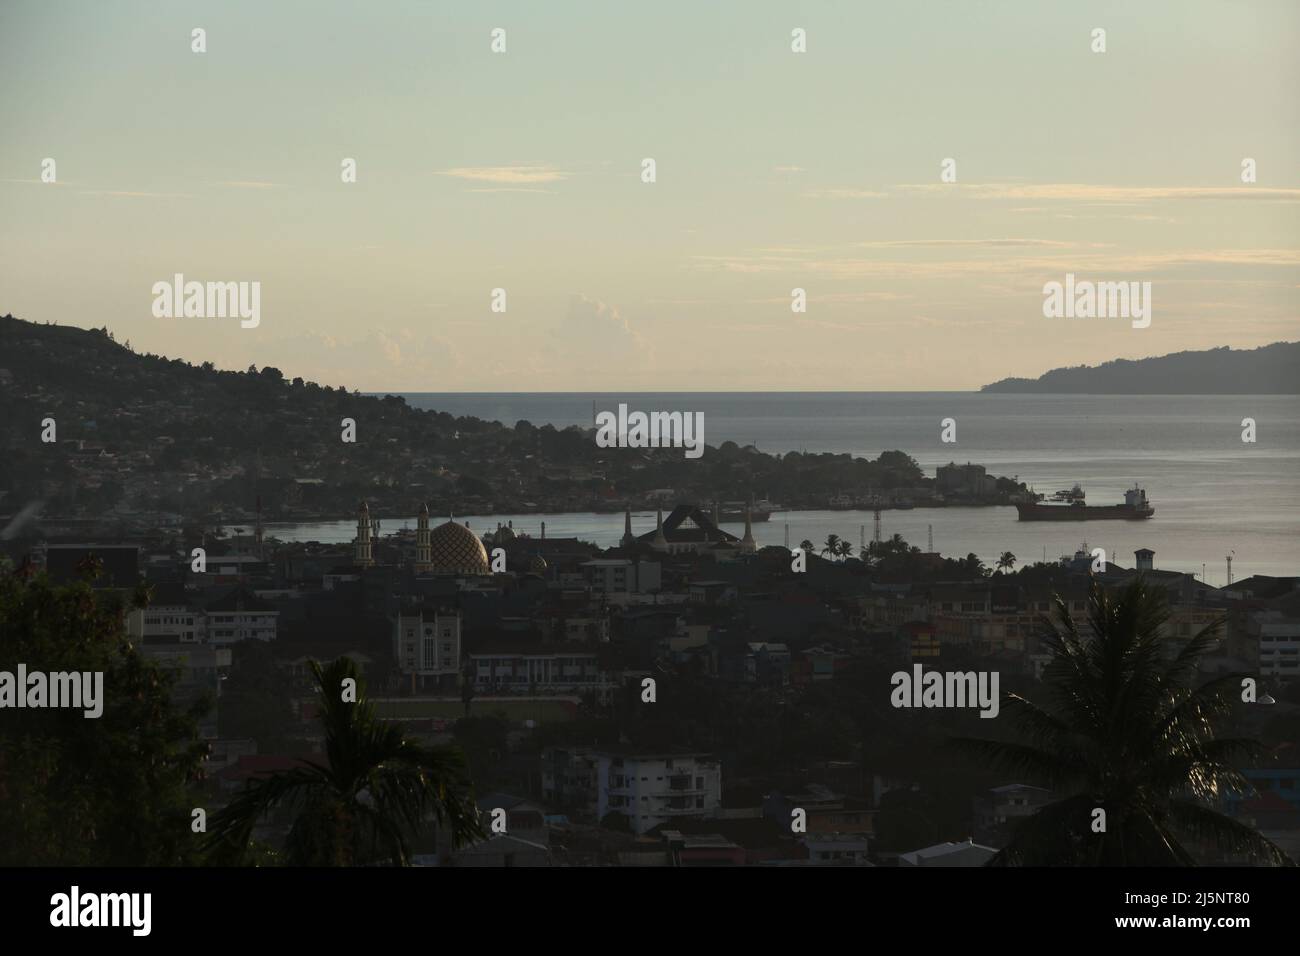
1215, 496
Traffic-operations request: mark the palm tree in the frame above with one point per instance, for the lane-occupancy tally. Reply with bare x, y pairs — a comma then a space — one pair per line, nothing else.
845, 550
376, 789
1128, 735
806, 546
1007, 561
832, 545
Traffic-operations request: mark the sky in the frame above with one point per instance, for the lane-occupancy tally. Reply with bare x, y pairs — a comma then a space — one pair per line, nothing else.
774, 170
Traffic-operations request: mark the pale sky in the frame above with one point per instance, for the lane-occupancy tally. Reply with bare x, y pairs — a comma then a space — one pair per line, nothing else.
775, 170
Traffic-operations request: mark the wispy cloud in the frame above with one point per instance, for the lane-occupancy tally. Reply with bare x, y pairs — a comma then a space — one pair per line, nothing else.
132, 194
849, 267
249, 184
1083, 192
509, 189
506, 175
845, 194
837, 298
981, 243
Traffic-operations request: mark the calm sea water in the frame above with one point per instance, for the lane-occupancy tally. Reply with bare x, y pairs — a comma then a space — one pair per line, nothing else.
1214, 495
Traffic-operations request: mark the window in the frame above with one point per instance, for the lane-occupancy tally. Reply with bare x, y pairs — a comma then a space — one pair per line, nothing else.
699, 783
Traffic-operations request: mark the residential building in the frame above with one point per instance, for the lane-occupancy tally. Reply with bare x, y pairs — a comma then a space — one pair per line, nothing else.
655, 788
241, 616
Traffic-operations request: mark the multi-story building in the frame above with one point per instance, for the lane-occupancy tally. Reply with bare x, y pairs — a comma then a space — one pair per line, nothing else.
241, 616
522, 669
172, 613
613, 576
1278, 636
654, 788
198, 671
426, 644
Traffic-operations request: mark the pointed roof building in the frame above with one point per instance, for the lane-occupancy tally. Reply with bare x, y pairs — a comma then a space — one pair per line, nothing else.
687, 529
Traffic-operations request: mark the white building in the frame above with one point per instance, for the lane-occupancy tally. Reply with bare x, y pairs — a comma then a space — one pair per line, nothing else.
531, 671
650, 789
427, 644
240, 616
1279, 643
172, 613
622, 576
837, 849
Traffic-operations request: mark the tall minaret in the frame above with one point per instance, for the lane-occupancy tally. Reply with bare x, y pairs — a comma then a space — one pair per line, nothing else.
423, 549
660, 542
628, 541
747, 542
543, 530
364, 558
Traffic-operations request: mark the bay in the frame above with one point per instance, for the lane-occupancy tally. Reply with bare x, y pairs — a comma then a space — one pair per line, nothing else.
1214, 495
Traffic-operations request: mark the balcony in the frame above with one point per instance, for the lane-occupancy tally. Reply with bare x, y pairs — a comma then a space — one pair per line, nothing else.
683, 784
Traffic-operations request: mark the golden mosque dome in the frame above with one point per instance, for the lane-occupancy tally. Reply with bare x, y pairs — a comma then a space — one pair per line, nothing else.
453, 547
537, 564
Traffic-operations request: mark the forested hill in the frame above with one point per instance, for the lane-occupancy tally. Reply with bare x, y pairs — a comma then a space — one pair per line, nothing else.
147, 433
1269, 370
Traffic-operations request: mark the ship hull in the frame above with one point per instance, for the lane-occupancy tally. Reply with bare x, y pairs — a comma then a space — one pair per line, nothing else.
1037, 512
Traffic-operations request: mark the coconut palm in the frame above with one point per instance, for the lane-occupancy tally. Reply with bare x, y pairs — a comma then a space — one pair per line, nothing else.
1129, 735
374, 790
832, 545
1007, 561
845, 549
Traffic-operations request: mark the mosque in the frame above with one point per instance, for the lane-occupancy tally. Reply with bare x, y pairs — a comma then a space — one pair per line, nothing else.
453, 548
450, 548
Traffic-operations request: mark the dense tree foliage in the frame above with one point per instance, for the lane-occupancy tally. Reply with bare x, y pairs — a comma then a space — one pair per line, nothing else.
116, 790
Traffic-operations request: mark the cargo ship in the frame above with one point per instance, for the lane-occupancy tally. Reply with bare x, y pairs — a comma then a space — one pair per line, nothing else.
1134, 508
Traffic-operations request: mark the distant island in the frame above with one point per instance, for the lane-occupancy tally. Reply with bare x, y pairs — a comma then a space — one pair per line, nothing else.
1268, 370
